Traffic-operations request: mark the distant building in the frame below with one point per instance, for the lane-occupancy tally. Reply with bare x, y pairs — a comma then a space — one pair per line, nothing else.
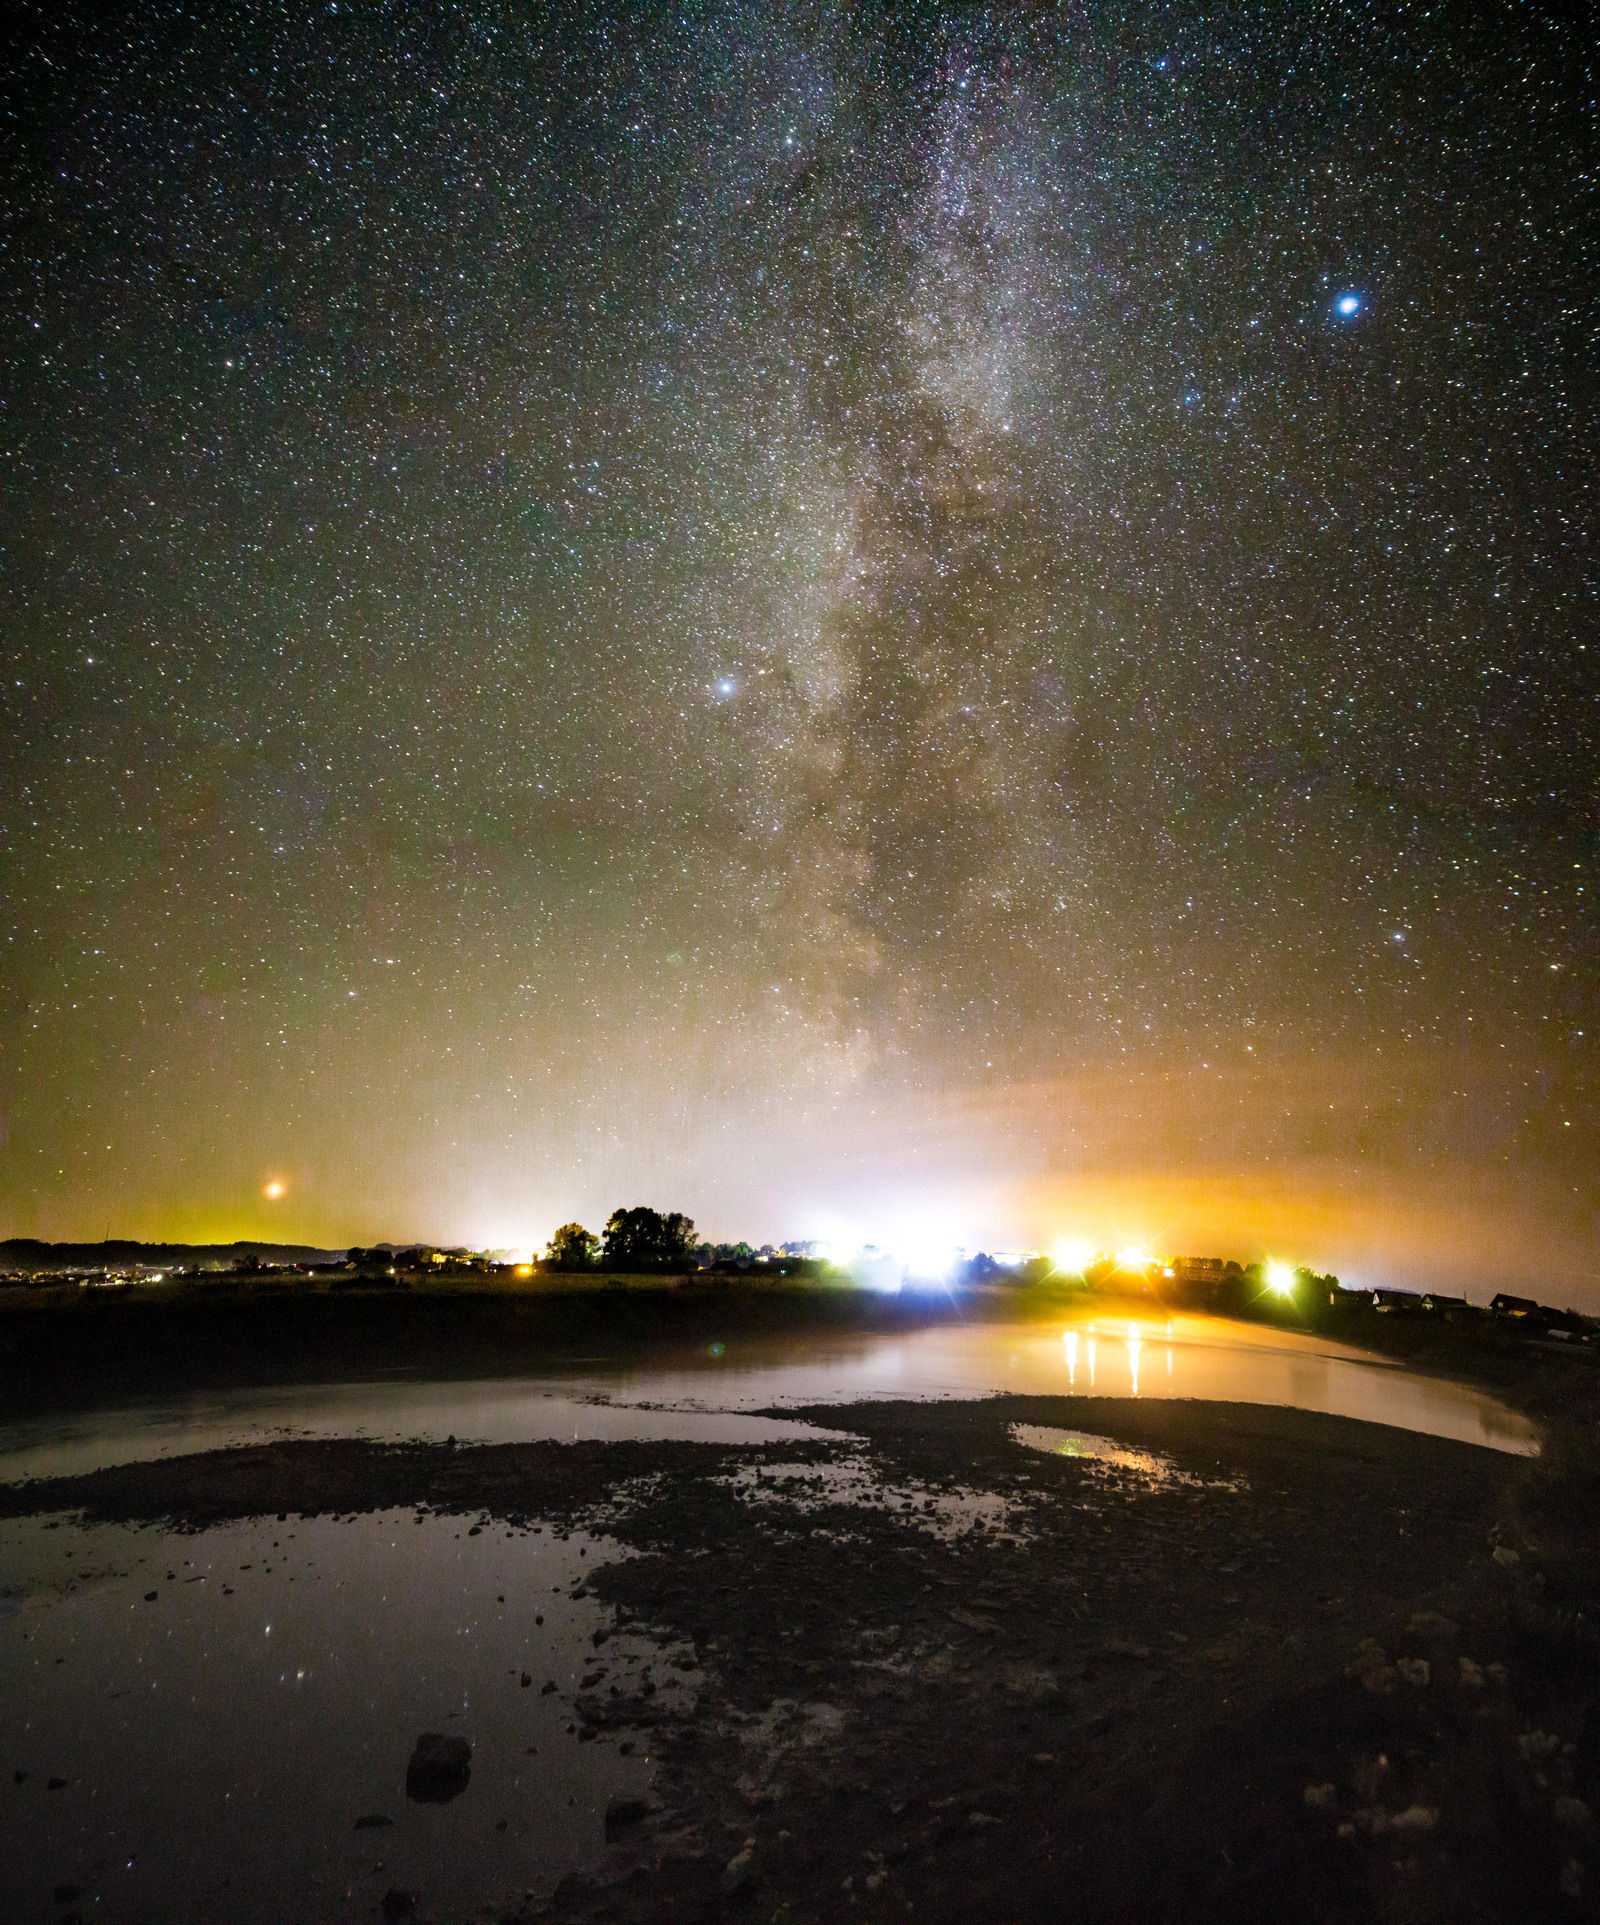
1211, 1270
1504, 1305
1195, 1278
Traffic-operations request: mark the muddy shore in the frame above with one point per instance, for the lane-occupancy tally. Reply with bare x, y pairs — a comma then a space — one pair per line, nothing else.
1266, 1665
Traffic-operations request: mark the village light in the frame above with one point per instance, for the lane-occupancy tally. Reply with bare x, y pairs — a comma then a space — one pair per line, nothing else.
1281, 1278
1132, 1259
1073, 1255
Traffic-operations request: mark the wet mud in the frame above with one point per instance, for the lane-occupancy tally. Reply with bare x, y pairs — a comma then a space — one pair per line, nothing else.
1031, 1659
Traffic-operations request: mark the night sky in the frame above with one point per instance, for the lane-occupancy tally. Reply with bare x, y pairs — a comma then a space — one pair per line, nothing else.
863, 620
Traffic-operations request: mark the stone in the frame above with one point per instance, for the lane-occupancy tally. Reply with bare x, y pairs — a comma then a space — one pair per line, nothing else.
622, 1813
1414, 1818
1414, 1670
373, 1821
1321, 1797
1571, 1812
439, 1769
1372, 1667
739, 1874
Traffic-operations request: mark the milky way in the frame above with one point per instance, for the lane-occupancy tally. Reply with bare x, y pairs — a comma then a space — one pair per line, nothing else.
834, 616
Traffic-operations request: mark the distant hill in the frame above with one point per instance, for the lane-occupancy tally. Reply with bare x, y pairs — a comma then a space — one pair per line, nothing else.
30, 1253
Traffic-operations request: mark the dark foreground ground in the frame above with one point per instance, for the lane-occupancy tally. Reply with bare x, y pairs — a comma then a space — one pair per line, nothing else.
1331, 1672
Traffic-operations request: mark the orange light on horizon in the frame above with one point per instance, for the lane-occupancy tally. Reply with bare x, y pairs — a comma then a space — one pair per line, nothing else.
274, 1189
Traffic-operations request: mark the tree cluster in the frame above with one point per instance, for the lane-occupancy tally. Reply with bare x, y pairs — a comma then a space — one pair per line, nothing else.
639, 1241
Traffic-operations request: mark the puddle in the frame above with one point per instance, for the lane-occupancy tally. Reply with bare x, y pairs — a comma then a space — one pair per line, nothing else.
851, 1483
522, 1411
196, 1724
1147, 1468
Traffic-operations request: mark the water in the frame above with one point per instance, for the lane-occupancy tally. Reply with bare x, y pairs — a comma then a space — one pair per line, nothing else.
210, 1751
196, 1726
713, 1397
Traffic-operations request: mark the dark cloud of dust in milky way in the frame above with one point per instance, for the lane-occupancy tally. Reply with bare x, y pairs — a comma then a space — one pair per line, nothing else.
860, 619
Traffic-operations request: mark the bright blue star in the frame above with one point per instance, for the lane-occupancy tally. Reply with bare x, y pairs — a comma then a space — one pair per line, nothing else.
1348, 305
726, 687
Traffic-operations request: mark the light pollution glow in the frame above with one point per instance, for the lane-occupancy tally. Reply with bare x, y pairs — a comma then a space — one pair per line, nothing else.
968, 633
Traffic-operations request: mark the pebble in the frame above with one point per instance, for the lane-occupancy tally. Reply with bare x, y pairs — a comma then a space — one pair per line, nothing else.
740, 1871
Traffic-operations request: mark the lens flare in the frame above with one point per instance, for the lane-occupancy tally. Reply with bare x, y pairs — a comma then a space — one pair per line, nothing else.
1073, 1255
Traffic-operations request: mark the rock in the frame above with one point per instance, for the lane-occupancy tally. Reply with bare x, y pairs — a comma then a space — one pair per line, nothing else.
1321, 1797
1471, 1674
547, 1687
983, 1820
1571, 1811
1042, 1758
973, 1621
740, 1873
622, 1813
151, 1596
1505, 1557
439, 1769
1414, 1670
1414, 1818
527, 1679
1432, 1626
1376, 1673
55, 1784
398, 1904
373, 1821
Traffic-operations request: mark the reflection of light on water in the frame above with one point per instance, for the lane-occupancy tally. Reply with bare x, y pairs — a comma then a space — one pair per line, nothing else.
1149, 1469
1091, 1360
1133, 1357
1070, 1338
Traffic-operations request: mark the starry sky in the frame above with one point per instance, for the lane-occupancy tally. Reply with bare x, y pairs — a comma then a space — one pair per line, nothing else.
866, 620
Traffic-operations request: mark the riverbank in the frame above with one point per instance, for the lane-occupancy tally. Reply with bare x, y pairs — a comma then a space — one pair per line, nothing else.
1268, 1665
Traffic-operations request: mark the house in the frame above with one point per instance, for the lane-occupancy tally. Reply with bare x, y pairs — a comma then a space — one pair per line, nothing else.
1504, 1305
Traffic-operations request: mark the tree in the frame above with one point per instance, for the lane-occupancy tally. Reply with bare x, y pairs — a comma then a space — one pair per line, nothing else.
644, 1240
572, 1248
